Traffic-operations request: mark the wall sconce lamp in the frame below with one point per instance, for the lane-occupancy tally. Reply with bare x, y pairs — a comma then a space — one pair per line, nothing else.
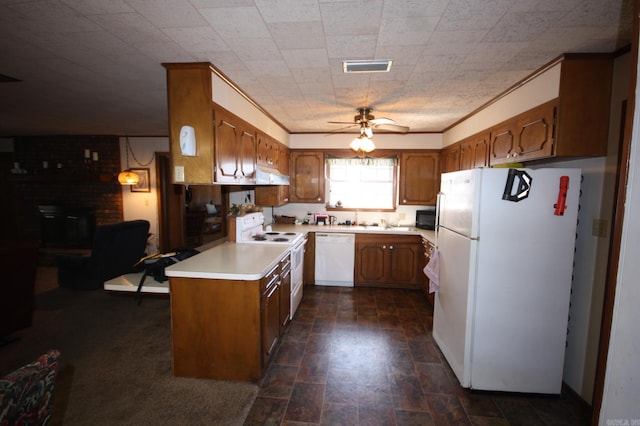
127, 177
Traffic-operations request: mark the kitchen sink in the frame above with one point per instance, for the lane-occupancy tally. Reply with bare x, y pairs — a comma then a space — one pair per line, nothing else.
387, 228
397, 228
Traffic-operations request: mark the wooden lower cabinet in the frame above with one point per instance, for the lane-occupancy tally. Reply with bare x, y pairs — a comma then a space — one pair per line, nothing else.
387, 261
285, 293
426, 251
228, 329
270, 301
215, 329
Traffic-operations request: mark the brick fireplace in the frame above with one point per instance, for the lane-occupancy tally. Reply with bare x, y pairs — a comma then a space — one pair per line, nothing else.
74, 177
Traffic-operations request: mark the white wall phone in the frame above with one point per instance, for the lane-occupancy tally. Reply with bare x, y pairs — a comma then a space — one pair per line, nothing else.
188, 141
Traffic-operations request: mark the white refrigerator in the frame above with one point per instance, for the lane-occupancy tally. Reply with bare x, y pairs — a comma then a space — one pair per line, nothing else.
506, 241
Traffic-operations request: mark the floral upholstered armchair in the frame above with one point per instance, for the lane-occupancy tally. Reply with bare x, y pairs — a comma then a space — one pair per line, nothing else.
26, 394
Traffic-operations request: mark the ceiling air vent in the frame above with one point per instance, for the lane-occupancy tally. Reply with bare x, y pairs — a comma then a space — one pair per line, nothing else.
352, 66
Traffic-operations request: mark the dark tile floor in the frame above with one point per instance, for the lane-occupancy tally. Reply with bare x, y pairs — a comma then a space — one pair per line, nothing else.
365, 356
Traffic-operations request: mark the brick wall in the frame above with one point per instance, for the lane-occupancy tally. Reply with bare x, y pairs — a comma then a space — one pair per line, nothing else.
69, 179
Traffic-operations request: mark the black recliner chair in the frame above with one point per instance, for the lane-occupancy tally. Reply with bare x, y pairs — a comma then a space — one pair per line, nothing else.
117, 247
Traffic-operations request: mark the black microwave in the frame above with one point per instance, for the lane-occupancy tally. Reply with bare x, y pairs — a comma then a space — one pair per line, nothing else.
426, 218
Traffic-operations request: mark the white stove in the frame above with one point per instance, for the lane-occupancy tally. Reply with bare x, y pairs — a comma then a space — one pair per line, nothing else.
250, 229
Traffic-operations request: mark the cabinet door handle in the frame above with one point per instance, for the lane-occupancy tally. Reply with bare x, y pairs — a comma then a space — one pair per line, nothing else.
273, 290
390, 247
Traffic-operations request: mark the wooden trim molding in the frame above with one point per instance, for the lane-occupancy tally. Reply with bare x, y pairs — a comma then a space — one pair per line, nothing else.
618, 215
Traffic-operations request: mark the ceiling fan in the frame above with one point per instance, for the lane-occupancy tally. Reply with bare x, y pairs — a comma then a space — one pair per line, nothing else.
368, 122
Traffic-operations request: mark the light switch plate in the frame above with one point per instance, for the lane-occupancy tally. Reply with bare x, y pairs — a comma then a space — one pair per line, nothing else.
179, 173
599, 227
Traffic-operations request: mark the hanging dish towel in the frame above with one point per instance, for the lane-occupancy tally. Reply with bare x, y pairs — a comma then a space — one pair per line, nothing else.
432, 271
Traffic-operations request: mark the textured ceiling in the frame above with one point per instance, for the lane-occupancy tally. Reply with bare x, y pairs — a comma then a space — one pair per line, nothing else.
94, 66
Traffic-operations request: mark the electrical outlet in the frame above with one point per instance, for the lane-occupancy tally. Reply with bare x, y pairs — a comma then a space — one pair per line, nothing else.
599, 228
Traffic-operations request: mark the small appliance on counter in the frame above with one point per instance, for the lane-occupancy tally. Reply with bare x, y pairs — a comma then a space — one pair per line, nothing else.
426, 218
321, 218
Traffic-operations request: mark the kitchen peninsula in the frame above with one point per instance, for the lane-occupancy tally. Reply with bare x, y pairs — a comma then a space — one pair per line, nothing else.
221, 324
224, 323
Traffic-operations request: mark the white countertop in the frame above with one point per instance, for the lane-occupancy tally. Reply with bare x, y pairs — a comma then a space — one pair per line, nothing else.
129, 282
238, 261
401, 230
230, 261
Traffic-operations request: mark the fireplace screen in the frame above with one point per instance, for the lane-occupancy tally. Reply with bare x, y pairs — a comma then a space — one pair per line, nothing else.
67, 227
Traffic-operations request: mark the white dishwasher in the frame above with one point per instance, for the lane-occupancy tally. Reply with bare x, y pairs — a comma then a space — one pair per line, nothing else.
335, 256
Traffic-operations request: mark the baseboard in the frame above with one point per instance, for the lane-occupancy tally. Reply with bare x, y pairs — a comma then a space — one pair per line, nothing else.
584, 405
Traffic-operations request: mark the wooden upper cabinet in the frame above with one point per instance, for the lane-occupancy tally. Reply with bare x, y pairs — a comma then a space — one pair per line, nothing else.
582, 127
226, 145
474, 151
273, 195
247, 153
535, 132
573, 125
307, 177
527, 136
284, 191
235, 147
267, 151
450, 158
226, 134
503, 143
419, 178
190, 104
283, 159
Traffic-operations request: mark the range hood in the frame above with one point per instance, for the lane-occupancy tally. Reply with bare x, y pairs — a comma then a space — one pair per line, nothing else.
268, 176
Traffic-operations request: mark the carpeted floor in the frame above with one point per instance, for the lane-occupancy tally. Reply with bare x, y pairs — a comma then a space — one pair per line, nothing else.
116, 364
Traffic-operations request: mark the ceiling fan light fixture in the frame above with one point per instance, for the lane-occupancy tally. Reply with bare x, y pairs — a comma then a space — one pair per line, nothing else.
365, 66
362, 143
367, 145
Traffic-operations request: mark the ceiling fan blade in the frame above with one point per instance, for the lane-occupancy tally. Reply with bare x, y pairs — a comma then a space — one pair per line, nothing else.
392, 128
342, 122
381, 120
343, 128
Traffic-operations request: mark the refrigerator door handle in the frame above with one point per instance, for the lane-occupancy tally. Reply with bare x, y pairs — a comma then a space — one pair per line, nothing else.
523, 188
